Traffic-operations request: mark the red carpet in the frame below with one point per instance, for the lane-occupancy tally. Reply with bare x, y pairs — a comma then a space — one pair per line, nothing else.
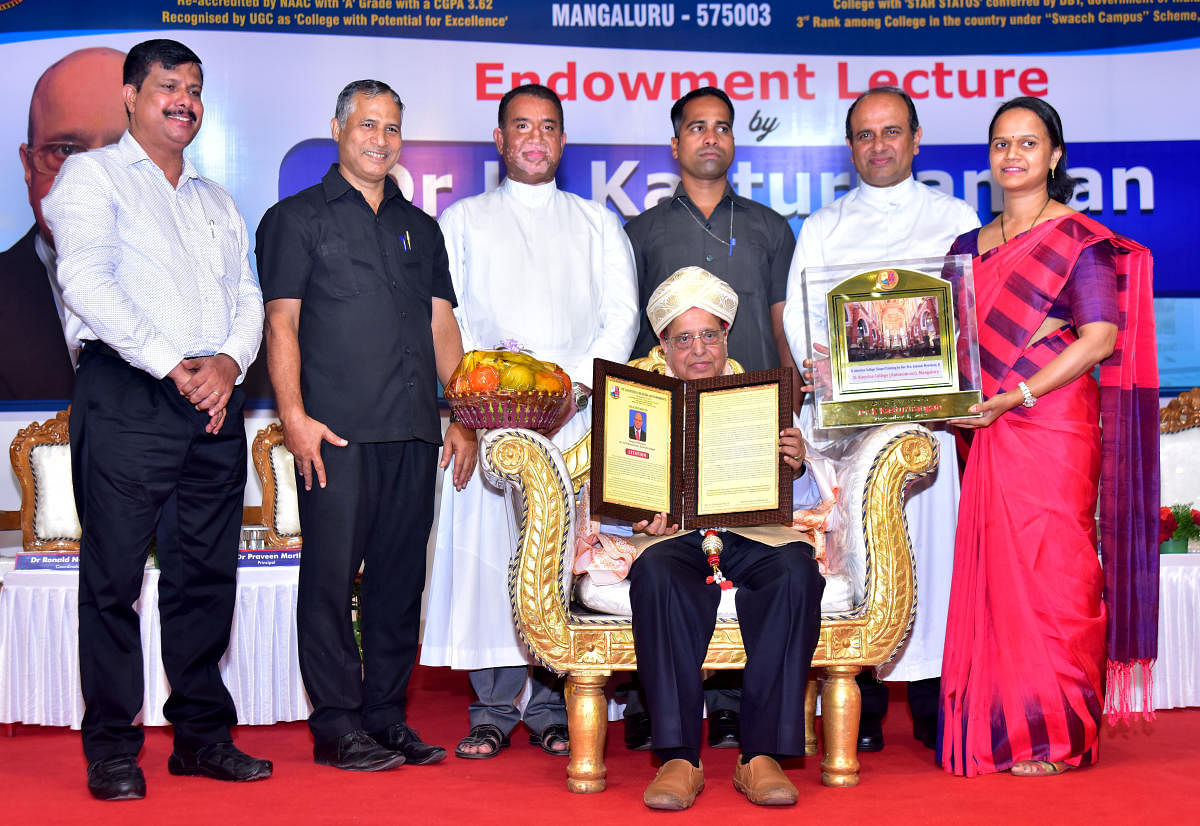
1146, 774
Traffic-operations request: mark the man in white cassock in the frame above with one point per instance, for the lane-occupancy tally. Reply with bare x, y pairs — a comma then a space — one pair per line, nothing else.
555, 273
890, 216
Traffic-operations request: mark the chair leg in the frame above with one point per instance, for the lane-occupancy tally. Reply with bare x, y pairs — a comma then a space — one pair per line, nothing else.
587, 719
841, 706
810, 717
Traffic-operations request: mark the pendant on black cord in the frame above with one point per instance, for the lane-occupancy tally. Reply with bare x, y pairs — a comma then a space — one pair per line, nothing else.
712, 547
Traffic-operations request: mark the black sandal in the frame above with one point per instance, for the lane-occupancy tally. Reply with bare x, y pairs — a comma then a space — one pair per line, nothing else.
484, 734
550, 737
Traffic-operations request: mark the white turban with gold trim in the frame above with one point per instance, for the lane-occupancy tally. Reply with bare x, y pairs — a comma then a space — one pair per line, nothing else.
686, 288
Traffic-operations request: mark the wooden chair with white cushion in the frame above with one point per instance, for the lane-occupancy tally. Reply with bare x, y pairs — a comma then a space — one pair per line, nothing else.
276, 471
41, 459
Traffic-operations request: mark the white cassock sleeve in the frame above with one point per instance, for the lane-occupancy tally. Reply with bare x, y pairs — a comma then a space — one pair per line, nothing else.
616, 284
809, 253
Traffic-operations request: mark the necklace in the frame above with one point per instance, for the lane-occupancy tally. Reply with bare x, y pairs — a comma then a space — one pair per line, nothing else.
704, 226
1004, 235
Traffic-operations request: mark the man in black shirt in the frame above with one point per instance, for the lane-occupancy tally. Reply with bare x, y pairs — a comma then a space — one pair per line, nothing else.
704, 224
359, 328
747, 245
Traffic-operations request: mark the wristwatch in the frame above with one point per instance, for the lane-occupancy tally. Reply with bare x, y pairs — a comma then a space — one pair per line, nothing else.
1030, 399
582, 396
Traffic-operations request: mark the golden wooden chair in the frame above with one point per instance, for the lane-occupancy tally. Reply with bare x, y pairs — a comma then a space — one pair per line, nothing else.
41, 459
542, 484
276, 470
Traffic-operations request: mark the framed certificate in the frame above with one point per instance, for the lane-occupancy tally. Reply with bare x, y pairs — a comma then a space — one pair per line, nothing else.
706, 452
893, 341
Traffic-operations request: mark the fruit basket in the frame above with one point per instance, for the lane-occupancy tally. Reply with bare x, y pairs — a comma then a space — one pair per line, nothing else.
500, 388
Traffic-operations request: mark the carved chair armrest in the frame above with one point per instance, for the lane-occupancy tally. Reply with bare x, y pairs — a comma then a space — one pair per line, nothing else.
542, 498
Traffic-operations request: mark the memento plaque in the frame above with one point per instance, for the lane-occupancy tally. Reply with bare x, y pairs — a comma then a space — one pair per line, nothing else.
892, 341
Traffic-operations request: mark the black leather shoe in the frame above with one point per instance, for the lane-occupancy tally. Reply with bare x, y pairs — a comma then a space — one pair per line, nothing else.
220, 761
724, 730
356, 751
116, 778
637, 731
870, 732
400, 738
925, 730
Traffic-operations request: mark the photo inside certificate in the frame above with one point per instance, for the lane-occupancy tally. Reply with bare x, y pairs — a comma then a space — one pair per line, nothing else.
637, 445
738, 451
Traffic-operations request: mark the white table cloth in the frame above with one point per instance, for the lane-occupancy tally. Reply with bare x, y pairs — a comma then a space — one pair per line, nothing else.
39, 649
1177, 672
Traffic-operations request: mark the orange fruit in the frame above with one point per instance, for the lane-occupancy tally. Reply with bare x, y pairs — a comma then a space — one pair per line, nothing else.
461, 385
483, 378
564, 378
547, 381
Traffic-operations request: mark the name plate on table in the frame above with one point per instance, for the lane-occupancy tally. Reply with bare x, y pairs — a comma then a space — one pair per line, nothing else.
706, 452
269, 558
893, 341
47, 561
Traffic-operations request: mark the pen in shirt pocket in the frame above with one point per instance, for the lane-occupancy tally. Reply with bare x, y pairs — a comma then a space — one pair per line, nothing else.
212, 228
405, 241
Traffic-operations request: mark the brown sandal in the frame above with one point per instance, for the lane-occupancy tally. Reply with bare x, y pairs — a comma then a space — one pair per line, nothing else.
484, 734
1039, 768
550, 737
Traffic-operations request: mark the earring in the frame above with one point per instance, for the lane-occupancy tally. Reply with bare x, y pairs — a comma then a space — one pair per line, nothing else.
1052, 174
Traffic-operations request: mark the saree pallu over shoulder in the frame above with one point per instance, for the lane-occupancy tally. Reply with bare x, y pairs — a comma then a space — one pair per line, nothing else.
1016, 284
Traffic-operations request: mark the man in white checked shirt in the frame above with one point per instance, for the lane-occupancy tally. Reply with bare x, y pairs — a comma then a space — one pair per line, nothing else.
153, 261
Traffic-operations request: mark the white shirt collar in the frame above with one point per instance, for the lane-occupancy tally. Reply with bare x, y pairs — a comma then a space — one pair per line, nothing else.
132, 153
531, 195
47, 255
882, 197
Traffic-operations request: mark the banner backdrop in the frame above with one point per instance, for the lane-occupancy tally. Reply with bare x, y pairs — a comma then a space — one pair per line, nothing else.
1120, 72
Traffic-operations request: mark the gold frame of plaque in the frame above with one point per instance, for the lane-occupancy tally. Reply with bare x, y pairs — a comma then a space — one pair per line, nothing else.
904, 347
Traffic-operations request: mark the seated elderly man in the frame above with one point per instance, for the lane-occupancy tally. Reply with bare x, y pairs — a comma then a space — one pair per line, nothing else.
778, 594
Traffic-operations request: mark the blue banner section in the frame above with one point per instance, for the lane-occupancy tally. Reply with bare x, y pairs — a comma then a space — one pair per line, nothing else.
1123, 185
851, 27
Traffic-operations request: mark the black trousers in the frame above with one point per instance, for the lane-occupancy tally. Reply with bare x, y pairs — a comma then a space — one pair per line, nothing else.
722, 692
674, 614
922, 695
377, 508
144, 467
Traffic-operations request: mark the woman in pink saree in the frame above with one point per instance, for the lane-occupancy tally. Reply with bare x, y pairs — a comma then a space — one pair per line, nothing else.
1037, 626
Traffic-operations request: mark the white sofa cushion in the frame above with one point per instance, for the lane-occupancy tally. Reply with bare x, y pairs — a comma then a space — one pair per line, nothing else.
287, 511
613, 600
54, 515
